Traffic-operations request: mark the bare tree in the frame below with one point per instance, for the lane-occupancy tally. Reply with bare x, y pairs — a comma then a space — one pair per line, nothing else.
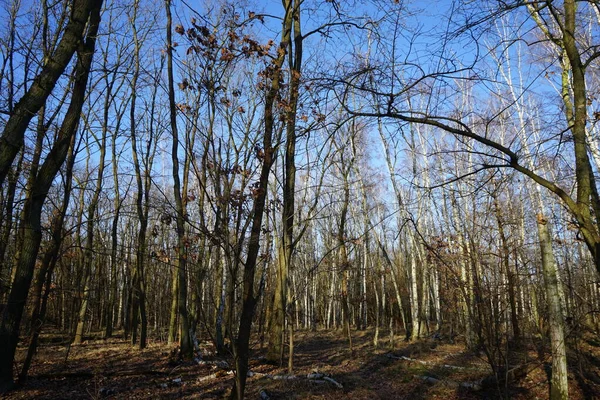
11, 318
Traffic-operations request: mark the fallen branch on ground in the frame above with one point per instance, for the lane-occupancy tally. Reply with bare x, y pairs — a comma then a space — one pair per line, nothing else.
339, 385
426, 362
207, 377
314, 377
269, 376
452, 384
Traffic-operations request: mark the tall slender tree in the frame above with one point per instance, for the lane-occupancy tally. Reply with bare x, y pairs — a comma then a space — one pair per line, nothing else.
185, 342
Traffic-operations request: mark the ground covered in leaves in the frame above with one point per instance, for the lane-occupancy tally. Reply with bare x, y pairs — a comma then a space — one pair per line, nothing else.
324, 368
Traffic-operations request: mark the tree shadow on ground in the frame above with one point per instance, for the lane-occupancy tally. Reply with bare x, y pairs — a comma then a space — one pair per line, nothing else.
116, 368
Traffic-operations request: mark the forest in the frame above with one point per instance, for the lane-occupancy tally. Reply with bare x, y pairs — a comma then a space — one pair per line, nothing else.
339, 199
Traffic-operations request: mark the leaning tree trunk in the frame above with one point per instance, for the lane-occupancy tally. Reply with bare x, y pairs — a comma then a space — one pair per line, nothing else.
7, 226
44, 274
13, 135
11, 318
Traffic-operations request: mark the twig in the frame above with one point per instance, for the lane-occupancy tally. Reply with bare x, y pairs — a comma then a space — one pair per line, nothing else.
339, 385
207, 377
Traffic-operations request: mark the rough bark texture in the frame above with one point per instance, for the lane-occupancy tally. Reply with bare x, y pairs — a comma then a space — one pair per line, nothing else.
11, 318
45, 272
275, 350
559, 386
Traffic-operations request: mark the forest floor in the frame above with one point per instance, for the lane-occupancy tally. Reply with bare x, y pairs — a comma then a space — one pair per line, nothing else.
428, 369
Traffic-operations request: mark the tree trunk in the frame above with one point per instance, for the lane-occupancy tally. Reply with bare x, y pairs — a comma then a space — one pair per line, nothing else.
505, 262
89, 256
13, 134
559, 387
241, 347
143, 182
112, 270
7, 225
185, 342
11, 318
414, 297
44, 274
173, 310
275, 352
